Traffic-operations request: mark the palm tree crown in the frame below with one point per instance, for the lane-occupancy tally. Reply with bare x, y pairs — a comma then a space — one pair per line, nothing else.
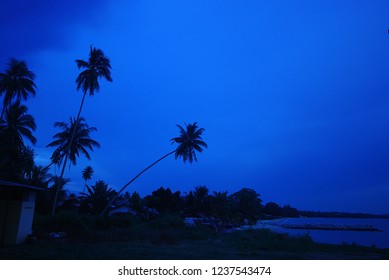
87, 173
82, 141
97, 196
190, 142
97, 66
17, 82
16, 125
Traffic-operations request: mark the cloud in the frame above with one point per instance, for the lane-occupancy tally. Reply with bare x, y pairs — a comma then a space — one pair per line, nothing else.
28, 26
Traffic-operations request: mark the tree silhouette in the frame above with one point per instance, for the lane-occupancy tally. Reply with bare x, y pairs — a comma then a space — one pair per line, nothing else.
220, 205
246, 204
16, 83
189, 142
16, 159
97, 66
87, 174
97, 196
17, 125
66, 148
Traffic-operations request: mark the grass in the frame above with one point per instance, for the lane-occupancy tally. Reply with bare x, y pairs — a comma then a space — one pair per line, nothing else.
168, 238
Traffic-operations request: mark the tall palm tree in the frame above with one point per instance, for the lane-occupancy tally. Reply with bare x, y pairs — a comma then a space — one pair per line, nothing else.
66, 148
189, 142
87, 175
16, 83
97, 66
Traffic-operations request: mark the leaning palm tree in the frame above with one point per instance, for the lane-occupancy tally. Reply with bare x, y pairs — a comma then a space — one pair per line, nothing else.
87, 175
66, 148
189, 142
16, 83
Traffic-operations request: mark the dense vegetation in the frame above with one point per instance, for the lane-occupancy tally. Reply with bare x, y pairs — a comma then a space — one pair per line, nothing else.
167, 237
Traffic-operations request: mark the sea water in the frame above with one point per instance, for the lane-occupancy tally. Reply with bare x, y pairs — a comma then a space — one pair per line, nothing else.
379, 239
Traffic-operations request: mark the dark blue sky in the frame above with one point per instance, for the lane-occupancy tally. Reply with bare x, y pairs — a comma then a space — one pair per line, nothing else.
293, 95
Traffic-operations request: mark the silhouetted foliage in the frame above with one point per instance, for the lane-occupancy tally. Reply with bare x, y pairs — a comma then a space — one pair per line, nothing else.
87, 174
97, 197
81, 144
16, 83
220, 206
246, 205
164, 200
273, 209
288, 211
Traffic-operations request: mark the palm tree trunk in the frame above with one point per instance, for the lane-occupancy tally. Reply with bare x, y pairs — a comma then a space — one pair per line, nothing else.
58, 184
132, 180
67, 155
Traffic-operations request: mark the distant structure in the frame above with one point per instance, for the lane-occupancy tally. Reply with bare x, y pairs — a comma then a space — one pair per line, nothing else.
17, 204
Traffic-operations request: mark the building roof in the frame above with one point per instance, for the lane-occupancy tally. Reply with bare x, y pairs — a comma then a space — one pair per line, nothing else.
13, 185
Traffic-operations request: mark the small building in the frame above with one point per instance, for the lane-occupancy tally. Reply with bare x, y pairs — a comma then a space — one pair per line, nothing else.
17, 204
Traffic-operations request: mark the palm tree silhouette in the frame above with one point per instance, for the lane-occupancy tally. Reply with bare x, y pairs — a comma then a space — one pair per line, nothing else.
87, 175
39, 177
16, 83
97, 66
66, 148
189, 142
97, 196
17, 125
15, 157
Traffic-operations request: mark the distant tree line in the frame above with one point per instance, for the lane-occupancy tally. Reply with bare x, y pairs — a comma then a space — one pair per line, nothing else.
243, 206
319, 214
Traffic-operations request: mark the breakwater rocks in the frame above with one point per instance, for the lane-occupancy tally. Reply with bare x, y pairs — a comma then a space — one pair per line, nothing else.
331, 227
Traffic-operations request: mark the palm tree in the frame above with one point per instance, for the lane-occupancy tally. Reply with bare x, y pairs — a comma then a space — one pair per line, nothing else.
97, 66
66, 148
87, 175
97, 196
15, 157
39, 177
17, 125
17, 82
189, 142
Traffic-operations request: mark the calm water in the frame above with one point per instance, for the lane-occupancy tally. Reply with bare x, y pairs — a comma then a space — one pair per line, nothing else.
379, 239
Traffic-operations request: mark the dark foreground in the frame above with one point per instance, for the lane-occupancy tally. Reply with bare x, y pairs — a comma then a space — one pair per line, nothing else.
169, 238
